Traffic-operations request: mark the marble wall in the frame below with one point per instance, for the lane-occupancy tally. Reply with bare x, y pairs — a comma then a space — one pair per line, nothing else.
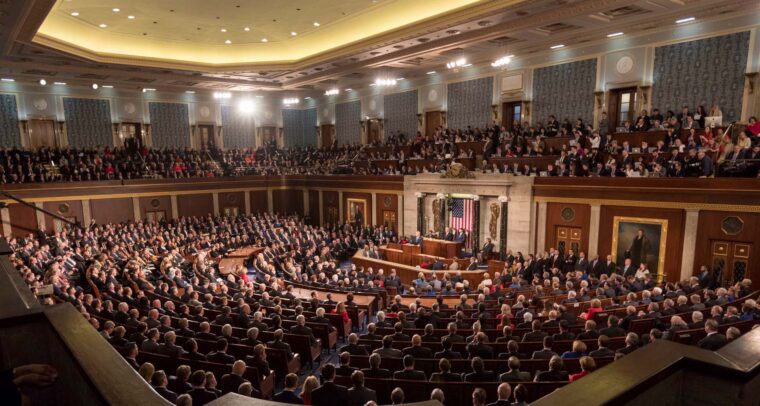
489, 187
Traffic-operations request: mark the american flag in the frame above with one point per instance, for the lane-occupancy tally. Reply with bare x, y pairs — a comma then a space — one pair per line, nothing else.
462, 212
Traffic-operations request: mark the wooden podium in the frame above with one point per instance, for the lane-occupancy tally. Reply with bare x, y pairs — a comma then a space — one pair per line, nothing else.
441, 248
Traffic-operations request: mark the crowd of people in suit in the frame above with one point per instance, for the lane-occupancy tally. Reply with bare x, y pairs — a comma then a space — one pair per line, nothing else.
157, 280
590, 152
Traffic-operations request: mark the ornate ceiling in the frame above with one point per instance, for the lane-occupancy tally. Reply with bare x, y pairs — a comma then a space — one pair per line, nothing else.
184, 49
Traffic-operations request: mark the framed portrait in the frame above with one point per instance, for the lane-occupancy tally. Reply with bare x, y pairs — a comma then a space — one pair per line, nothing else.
641, 240
357, 211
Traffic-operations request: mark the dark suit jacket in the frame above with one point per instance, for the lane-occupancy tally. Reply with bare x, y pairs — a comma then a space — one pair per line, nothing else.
354, 349
500, 403
260, 364
286, 396
480, 350
171, 350
448, 354
445, 377
230, 383
514, 376
329, 394
534, 336
612, 332
177, 386
410, 375
358, 396
376, 373
543, 354
485, 376
713, 342
220, 357
418, 352
344, 370
552, 376
201, 396
304, 331
167, 394
388, 353
283, 346
601, 353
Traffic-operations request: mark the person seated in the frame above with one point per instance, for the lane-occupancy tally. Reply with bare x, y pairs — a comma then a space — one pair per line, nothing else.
288, 394
345, 369
280, 344
417, 350
612, 330
232, 381
446, 343
514, 374
535, 334
358, 395
479, 372
445, 374
220, 355
397, 396
387, 350
546, 352
329, 393
579, 350
409, 373
503, 392
301, 329
259, 360
587, 366
159, 383
603, 348
714, 340
555, 372
199, 393
374, 370
353, 347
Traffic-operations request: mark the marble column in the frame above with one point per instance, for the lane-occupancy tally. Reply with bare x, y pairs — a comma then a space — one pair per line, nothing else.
136, 209
689, 243
504, 200
541, 227
175, 209
270, 201
340, 207
5, 215
86, 213
247, 202
41, 217
475, 224
420, 212
321, 202
215, 201
400, 207
306, 205
593, 231
373, 220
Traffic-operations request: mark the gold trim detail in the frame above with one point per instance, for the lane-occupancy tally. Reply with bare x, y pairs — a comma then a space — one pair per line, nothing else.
650, 204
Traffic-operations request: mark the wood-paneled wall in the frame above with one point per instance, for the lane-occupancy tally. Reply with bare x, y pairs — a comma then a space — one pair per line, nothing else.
259, 201
112, 210
387, 202
555, 220
287, 201
195, 205
71, 209
156, 204
710, 229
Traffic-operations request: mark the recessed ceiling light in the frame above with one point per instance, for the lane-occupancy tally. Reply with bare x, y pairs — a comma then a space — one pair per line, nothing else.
685, 20
264, 40
467, 65
399, 79
307, 98
227, 42
116, 10
75, 13
349, 89
293, 33
131, 17
103, 25
223, 30
60, 83
247, 29
148, 89
107, 86
7, 80
432, 72
95, 86
557, 46
190, 91
316, 24
614, 34
43, 82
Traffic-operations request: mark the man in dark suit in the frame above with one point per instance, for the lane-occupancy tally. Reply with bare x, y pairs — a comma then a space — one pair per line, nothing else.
329, 394
603, 349
159, 383
555, 372
168, 348
417, 239
514, 373
610, 267
445, 374
259, 360
713, 340
288, 394
374, 370
220, 356
487, 249
596, 267
503, 391
479, 347
417, 350
353, 347
535, 334
200, 395
301, 329
371, 328
546, 352
447, 353
628, 268
205, 333
358, 395
479, 373
612, 330
409, 373
345, 368
179, 383
589, 331
387, 351
564, 332
278, 343
453, 336
232, 381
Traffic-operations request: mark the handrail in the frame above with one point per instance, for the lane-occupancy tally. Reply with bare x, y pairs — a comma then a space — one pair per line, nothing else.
233, 399
626, 378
